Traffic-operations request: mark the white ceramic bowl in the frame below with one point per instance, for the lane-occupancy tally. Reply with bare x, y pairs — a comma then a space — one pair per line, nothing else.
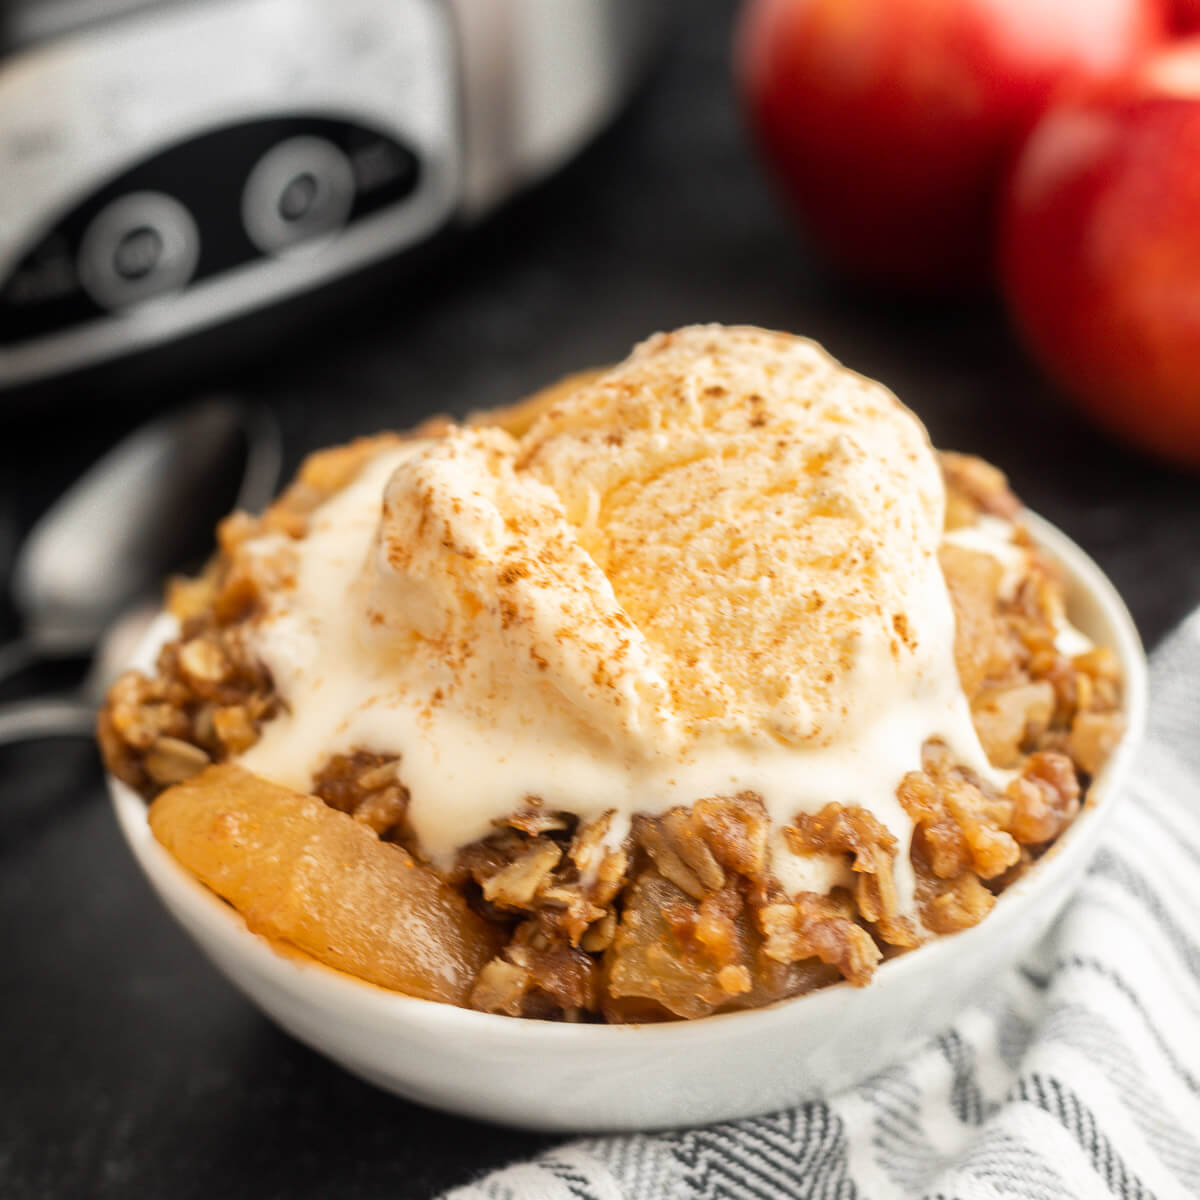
549, 1076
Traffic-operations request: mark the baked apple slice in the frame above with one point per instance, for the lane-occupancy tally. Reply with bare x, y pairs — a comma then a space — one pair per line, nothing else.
306, 875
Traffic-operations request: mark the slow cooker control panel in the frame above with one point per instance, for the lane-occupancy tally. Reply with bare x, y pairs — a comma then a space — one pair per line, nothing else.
217, 202
282, 143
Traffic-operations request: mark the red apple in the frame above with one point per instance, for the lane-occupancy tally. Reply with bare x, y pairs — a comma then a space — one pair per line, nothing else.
1100, 250
891, 123
1185, 15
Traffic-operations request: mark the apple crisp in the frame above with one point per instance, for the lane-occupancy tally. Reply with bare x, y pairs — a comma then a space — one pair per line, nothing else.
681, 904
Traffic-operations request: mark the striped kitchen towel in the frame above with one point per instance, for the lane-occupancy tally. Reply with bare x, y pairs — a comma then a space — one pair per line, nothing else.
1080, 1077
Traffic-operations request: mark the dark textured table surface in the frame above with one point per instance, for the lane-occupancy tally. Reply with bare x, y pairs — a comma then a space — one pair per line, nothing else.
128, 1067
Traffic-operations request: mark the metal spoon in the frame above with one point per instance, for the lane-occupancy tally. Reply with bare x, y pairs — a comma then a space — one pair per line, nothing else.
74, 714
147, 506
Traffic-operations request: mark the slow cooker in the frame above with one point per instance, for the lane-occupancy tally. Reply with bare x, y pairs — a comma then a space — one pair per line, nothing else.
169, 165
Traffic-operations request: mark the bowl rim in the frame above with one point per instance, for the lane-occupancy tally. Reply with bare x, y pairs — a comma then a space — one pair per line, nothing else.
327, 986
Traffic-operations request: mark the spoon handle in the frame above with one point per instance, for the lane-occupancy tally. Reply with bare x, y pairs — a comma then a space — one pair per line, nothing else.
24, 652
29, 720
17, 656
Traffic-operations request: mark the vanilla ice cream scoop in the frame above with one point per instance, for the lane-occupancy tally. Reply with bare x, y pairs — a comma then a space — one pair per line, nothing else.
712, 569
765, 519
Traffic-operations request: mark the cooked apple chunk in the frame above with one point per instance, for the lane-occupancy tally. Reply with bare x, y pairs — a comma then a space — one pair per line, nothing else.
309, 876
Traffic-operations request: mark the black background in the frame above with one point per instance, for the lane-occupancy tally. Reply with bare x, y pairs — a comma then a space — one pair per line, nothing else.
128, 1067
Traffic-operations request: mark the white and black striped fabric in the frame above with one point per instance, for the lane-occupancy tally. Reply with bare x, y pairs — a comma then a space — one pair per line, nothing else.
1080, 1077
